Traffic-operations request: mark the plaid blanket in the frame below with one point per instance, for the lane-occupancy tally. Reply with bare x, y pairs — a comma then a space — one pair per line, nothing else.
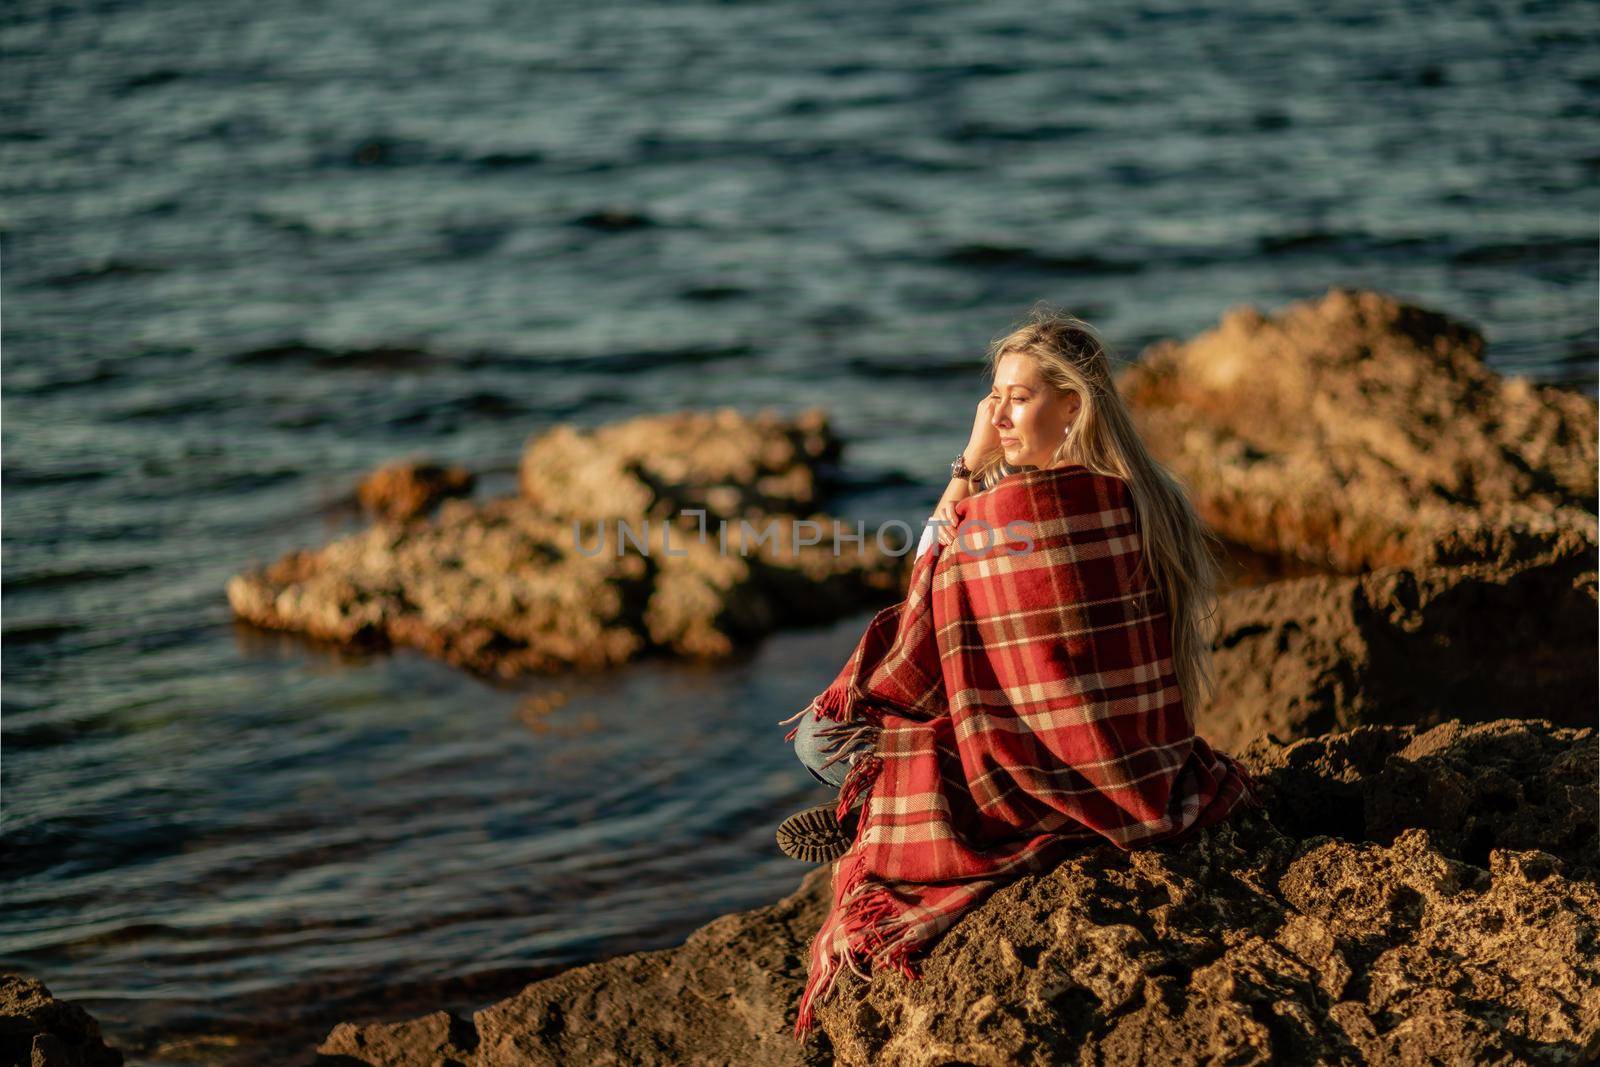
1020, 704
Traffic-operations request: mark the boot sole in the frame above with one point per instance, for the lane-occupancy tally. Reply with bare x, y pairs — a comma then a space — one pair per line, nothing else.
813, 836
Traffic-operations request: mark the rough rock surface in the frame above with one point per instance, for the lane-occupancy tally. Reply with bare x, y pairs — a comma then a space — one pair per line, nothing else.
1359, 922
1355, 430
1500, 622
726, 463
1506, 784
723, 997
523, 584
1250, 947
408, 490
37, 1030
439, 1039
1422, 886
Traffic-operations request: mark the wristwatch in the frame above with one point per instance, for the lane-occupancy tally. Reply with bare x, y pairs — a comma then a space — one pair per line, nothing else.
959, 469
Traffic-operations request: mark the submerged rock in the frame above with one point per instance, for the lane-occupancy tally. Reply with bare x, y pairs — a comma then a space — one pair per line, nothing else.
1354, 431
1351, 923
526, 584
37, 1030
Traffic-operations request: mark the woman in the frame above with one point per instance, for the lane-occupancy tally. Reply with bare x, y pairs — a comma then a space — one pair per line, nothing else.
1032, 693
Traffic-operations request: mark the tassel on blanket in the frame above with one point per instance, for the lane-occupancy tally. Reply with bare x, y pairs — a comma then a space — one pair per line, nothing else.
1254, 797
857, 783
873, 928
832, 703
1252, 785
826, 960
852, 893
848, 740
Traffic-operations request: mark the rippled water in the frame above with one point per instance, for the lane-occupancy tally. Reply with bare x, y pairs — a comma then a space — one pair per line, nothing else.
250, 251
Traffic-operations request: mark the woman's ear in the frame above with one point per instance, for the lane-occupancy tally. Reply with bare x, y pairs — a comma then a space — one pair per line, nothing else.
1074, 403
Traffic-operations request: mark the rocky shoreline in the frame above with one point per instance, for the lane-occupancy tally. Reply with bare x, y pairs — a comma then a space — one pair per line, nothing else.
722, 545
1425, 880
1353, 924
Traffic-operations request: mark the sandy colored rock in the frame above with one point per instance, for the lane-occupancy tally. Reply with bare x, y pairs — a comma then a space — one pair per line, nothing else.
1266, 939
729, 464
439, 1039
37, 1030
1422, 886
725, 996
407, 490
1508, 626
525, 584
1245, 946
1507, 784
1250, 945
1355, 430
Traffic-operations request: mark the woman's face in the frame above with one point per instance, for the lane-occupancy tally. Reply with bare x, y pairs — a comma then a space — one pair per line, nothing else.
1030, 417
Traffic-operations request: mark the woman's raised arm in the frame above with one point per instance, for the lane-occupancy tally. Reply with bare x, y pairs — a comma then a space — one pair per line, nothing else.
983, 440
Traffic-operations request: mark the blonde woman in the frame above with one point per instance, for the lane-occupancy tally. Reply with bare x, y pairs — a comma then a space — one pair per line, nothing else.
1027, 697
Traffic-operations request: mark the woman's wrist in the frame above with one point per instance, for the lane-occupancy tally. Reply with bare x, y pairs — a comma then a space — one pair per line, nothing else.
973, 456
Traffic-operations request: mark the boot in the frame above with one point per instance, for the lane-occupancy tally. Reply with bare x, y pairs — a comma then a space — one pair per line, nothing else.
815, 836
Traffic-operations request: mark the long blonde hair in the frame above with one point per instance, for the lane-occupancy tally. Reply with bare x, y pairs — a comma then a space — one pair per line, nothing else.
1177, 547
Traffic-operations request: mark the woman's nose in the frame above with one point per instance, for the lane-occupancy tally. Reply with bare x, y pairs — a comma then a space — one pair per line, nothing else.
997, 418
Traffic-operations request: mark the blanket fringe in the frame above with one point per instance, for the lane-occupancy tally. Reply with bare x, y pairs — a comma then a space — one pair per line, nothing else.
873, 930
847, 740
1254, 798
832, 703
857, 784
866, 908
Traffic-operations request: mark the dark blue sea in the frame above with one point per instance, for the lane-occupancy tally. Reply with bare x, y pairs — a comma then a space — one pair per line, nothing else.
251, 250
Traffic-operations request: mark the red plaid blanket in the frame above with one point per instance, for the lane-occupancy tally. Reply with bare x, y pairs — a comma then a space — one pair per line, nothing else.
1022, 703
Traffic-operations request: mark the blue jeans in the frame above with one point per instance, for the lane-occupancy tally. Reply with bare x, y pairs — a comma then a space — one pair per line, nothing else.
808, 747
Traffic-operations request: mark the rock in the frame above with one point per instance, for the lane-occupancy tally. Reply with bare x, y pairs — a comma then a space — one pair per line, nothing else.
731, 465
1350, 923
1415, 645
1422, 885
437, 1040
1354, 431
37, 1030
726, 996
524, 584
404, 491
1508, 784
1247, 944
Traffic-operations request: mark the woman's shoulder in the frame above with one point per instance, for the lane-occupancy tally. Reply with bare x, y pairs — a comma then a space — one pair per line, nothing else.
1079, 487
1003, 471
1074, 480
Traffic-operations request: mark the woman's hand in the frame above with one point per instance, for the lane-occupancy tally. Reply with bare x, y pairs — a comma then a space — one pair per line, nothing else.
985, 438
946, 510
